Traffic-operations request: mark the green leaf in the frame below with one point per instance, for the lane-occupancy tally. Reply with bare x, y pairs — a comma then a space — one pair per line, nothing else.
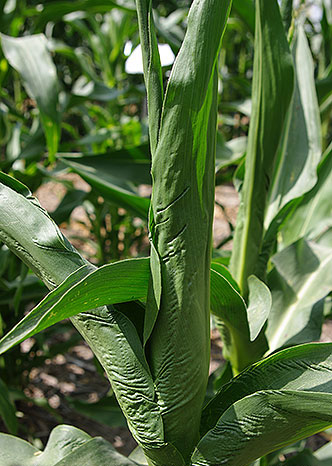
152, 68
7, 409
113, 283
314, 212
55, 11
66, 446
261, 423
229, 152
259, 308
236, 323
306, 367
110, 333
105, 411
29, 55
301, 279
71, 199
246, 11
300, 147
271, 96
115, 176
183, 167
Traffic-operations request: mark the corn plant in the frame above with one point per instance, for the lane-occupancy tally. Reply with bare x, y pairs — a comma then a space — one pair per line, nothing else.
155, 350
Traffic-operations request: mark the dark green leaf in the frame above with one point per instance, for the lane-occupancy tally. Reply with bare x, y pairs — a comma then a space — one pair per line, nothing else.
7, 409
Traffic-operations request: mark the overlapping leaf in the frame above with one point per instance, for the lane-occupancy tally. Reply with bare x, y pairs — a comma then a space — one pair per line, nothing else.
66, 445
115, 175
271, 96
301, 279
275, 402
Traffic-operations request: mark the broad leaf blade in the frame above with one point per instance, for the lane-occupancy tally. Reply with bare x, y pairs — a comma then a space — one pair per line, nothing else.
118, 282
300, 148
30, 57
261, 423
314, 212
230, 311
306, 367
271, 95
67, 445
110, 333
301, 279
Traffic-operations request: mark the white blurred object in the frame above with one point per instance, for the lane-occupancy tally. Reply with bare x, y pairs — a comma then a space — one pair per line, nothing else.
134, 63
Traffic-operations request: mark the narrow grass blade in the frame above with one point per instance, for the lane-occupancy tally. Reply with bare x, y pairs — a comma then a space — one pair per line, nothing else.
116, 176
7, 409
152, 68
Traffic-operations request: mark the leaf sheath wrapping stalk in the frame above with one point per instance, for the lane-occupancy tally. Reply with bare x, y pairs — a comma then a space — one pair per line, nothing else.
271, 96
180, 227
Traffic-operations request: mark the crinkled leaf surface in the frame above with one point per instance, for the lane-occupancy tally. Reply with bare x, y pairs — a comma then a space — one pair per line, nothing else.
27, 229
261, 423
302, 277
306, 367
67, 446
271, 95
183, 166
29, 55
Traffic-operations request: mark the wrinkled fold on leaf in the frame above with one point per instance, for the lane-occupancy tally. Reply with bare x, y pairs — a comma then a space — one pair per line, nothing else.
27, 229
306, 367
181, 216
261, 423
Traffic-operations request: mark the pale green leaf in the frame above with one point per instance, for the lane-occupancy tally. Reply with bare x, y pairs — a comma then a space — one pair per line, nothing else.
271, 95
66, 446
29, 55
259, 307
314, 212
301, 279
300, 148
